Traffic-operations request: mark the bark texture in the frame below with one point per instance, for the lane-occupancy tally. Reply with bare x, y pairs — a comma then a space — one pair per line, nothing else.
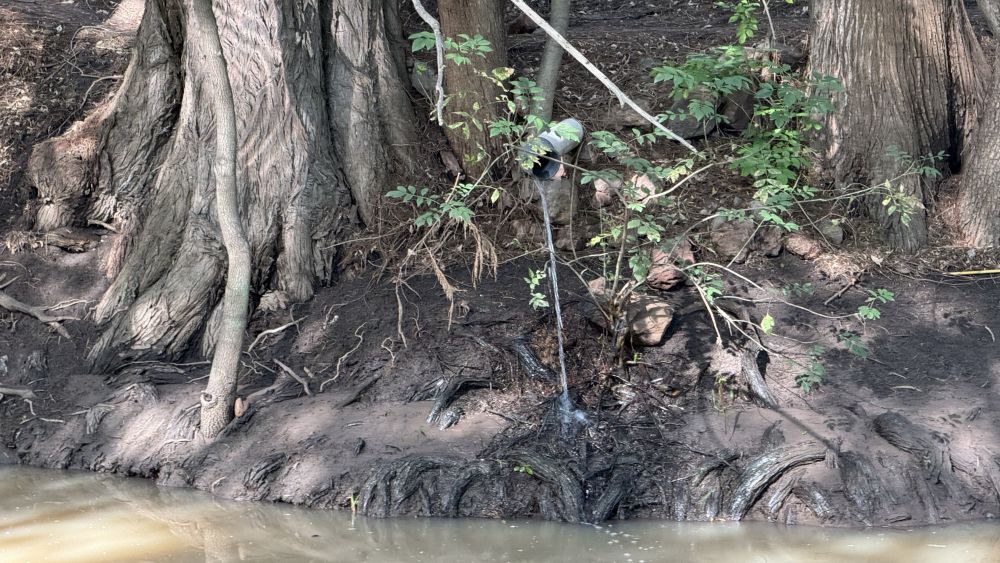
991, 11
979, 198
220, 393
373, 123
548, 70
468, 91
912, 77
302, 72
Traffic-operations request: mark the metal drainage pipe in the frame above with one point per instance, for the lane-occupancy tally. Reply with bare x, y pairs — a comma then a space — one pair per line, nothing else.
550, 147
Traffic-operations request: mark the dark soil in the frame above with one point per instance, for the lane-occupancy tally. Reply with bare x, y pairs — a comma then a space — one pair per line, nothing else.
901, 431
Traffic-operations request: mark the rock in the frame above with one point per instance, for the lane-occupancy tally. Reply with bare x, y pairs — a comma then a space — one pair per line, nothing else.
528, 232
802, 246
523, 24
730, 238
560, 194
567, 240
663, 274
687, 126
832, 232
605, 193
647, 317
620, 117
737, 111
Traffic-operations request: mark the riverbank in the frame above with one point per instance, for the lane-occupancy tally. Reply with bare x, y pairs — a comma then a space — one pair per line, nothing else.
390, 399
900, 438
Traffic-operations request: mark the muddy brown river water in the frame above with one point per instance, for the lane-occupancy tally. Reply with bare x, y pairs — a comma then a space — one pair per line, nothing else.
83, 517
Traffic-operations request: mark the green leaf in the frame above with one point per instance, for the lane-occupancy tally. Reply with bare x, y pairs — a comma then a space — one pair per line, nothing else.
767, 323
423, 41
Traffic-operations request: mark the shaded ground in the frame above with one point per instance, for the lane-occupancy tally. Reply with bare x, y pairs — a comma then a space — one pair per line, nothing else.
902, 430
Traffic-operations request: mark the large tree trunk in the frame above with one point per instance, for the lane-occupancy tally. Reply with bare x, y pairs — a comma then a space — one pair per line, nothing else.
909, 71
301, 73
979, 198
465, 86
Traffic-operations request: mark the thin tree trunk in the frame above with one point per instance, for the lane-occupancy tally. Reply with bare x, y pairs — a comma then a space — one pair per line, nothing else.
548, 71
468, 91
908, 68
220, 393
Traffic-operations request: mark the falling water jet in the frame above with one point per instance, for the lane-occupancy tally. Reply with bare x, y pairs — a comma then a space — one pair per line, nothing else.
553, 146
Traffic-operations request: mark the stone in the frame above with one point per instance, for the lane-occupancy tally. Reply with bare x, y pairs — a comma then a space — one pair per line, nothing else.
831, 231
663, 274
647, 317
687, 126
737, 111
730, 239
621, 117
803, 246
605, 193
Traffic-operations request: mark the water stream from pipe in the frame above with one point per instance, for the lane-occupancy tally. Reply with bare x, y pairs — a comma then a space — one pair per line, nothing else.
566, 410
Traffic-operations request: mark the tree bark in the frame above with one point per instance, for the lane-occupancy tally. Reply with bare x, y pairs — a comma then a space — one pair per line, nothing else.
908, 68
320, 116
220, 393
979, 198
468, 91
991, 11
548, 70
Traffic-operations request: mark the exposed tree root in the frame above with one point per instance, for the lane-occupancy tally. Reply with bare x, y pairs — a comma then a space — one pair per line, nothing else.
862, 486
11, 304
565, 486
766, 469
530, 362
392, 484
452, 389
257, 478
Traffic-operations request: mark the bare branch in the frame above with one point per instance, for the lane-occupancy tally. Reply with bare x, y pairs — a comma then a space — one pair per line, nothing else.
439, 44
622, 98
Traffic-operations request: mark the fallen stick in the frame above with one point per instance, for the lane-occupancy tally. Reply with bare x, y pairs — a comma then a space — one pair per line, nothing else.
24, 393
11, 304
295, 376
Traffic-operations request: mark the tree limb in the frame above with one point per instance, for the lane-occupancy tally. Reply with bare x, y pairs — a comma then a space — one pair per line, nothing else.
622, 98
439, 44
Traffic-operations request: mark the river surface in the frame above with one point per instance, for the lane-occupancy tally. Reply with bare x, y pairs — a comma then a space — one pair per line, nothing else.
82, 517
